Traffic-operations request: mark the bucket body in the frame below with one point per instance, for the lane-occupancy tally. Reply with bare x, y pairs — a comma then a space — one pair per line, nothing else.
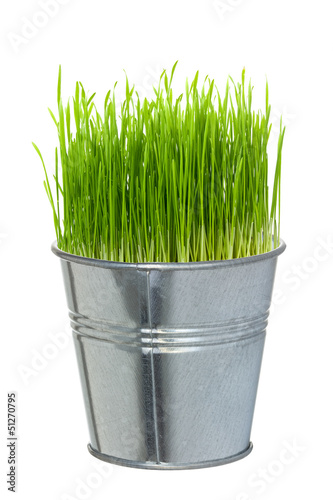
169, 356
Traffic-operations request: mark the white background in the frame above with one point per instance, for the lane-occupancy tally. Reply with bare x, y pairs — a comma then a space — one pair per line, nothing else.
291, 44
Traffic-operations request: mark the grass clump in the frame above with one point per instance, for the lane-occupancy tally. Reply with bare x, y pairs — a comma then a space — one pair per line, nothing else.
168, 180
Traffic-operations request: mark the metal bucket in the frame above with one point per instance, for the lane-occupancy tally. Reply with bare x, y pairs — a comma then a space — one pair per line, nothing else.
169, 356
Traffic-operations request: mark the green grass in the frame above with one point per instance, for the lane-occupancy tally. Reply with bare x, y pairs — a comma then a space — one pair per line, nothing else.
169, 180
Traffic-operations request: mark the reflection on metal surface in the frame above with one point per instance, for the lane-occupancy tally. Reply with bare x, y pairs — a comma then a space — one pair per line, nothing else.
169, 356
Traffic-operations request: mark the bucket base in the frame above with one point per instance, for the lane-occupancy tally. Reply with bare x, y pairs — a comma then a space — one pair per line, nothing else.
169, 465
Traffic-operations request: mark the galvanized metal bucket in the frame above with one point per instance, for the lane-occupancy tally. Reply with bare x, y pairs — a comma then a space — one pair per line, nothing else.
169, 356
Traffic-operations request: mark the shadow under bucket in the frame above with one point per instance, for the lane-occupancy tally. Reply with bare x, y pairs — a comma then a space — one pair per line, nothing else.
169, 356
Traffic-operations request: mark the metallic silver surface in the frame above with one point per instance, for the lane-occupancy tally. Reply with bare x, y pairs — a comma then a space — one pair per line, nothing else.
169, 466
169, 356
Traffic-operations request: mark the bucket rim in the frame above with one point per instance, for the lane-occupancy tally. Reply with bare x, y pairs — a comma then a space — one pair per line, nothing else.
167, 266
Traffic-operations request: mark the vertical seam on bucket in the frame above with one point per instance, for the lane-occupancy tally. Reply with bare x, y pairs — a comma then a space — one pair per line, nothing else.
152, 371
